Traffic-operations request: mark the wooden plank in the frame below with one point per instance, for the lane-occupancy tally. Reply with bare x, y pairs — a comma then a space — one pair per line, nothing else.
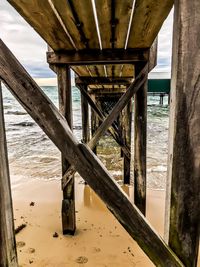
140, 140
39, 14
96, 70
81, 71
128, 71
65, 107
65, 12
98, 57
121, 17
119, 106
148, 18
85, 14
103, 9
113, 70
85, 118
184, 148
123, 13
43, 111
103, 80
8, 254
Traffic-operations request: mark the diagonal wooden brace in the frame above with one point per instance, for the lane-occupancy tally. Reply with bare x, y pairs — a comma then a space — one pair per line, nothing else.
112, 129
140, 79
133, 88
47, 116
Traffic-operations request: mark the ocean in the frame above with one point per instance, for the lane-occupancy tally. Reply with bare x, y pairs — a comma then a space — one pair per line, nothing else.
32, 155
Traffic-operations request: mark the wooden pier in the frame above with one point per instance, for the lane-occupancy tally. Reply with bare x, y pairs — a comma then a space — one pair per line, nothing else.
112, 46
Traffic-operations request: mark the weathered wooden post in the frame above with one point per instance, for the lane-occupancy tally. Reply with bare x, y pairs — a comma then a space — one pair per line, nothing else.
65, 106
140, 139
126, 135
85, 117
8, 254
183, 215
93, 123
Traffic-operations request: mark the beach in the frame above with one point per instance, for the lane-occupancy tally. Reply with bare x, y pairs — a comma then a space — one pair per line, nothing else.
99, 240
35, 170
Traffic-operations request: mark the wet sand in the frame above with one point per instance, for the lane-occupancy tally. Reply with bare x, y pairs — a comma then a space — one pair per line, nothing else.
99, 240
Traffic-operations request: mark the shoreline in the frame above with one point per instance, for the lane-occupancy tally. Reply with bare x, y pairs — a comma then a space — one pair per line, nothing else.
99, 239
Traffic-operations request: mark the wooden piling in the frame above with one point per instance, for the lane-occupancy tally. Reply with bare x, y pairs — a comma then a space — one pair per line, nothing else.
140, 139
126, 135
65, 106
93, 123
8, 254
183, 185
85, 117
43, 111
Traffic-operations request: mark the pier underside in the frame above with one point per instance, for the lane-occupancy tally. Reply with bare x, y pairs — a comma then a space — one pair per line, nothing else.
112, 47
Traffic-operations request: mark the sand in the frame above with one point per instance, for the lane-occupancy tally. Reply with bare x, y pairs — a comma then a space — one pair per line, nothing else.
99, 240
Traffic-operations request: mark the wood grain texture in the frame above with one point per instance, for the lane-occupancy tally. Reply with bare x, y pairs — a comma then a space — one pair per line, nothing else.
53, 18
65, 107
64, 10
148, 18
8, 254
85, 14
140, 147
39, 14
86, 163
122, 15
85, 118
126, 121
184, 150
98, 57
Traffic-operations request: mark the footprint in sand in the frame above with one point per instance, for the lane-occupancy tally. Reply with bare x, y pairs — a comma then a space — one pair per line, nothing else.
81, 260
20, 244
96, 250
31, 250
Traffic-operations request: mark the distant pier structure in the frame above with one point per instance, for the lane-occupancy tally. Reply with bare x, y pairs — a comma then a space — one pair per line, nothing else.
112, 46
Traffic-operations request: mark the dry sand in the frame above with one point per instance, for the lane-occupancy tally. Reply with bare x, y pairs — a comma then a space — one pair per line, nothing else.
100, 241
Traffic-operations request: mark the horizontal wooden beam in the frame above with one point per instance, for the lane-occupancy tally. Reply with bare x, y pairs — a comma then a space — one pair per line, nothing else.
96, 56
115, 93
47, 116
104, 80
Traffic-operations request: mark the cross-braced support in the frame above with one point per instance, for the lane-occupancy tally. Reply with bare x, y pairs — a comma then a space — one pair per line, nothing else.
85, 162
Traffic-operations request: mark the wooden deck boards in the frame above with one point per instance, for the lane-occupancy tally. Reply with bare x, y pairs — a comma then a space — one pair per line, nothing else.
70, 25
148, 18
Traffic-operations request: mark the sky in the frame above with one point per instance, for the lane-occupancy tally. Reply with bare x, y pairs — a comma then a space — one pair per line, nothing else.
30, 49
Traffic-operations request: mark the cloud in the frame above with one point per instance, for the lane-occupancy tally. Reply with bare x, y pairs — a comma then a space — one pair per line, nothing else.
30, 49
165, 45
23, 41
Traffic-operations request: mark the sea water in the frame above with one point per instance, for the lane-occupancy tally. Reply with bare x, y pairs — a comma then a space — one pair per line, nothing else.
33, 155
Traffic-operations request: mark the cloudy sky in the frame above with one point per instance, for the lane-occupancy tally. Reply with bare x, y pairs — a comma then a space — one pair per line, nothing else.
30, 49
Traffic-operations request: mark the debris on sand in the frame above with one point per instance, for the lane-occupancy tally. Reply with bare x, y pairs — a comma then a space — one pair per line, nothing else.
55, 235
20, 227
82, 260
20, 244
